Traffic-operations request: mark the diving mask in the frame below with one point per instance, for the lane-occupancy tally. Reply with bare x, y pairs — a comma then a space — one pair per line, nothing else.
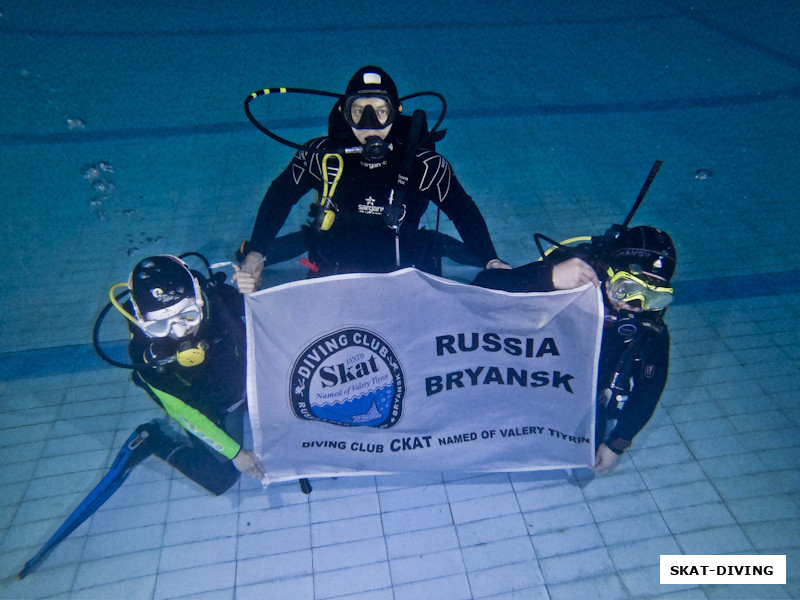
176, 321
627, 287
375, 111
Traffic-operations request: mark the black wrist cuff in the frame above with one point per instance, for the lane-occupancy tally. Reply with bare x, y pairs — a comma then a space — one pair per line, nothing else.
245, 248
618, 445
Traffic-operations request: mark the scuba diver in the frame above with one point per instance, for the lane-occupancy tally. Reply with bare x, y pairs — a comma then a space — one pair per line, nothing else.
187, 351
634, 267
374, 173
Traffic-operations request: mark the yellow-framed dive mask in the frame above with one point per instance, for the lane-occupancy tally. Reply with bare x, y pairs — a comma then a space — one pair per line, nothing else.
623, 286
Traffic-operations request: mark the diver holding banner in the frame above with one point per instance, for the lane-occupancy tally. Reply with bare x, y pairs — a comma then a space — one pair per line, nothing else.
634, 357
187, 351
375, 174
634, 267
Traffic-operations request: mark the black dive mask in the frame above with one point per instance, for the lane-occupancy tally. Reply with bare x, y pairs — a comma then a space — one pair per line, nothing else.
365, 117
369, 120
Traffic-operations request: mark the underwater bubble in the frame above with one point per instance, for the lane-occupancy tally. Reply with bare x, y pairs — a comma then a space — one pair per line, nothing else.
132, 250
104, 187
149, 239
97, 170
128, 211
703, 174
75, 124
92, 173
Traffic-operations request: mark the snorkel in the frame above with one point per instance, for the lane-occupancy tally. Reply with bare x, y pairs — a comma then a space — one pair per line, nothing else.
595, 249
623, 279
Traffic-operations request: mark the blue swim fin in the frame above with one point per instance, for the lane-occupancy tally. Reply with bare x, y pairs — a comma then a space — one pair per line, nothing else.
134, 451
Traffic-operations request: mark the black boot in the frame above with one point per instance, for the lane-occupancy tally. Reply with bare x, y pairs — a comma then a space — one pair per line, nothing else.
188, 455
143, 442
195, 460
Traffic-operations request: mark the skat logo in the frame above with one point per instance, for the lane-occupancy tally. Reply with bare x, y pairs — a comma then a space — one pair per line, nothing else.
350, 377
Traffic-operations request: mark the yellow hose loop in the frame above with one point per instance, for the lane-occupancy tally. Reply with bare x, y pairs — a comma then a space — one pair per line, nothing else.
580, 238
328, 189
117, 305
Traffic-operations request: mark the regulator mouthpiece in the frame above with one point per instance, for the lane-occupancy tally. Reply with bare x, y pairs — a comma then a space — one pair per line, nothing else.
375, 149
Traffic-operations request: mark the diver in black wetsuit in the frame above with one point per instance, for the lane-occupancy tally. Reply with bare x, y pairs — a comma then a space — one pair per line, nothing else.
635, 271
188, 353
378, 195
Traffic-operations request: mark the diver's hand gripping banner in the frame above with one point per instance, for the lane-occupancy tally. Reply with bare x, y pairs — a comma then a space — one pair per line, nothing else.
391, 373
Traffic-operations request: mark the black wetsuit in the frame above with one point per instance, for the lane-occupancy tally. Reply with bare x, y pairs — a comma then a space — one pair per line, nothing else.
360, 239
643, 371
205, 399
642, 377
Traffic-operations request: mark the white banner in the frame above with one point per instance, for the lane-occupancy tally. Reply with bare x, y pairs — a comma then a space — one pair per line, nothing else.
390, 373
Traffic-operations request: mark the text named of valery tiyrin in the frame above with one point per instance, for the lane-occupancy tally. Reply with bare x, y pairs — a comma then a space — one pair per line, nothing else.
420, 442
